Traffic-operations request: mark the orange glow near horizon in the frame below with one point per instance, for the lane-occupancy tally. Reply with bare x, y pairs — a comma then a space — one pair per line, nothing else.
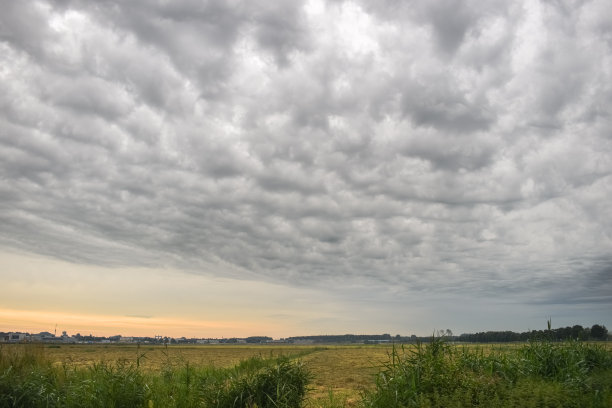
108, 325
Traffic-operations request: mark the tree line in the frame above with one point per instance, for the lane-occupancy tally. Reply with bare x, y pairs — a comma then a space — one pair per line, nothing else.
576, 332
342, 338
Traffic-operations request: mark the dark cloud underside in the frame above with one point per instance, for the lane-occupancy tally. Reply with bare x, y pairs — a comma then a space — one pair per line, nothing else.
440, 145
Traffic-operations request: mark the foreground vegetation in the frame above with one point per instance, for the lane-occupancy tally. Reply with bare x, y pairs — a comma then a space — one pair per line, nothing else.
539, 374
30, 380
437, 374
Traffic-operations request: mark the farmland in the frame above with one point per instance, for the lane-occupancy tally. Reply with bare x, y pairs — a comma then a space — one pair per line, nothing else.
348, 375
345, 370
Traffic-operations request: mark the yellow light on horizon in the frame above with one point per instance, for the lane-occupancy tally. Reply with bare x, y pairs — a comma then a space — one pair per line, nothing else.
35, 321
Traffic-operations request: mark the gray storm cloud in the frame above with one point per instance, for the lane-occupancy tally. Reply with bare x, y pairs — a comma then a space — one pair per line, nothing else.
442, 146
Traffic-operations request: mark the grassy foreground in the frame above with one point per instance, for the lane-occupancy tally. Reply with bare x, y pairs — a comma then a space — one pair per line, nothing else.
537, 374
28, 379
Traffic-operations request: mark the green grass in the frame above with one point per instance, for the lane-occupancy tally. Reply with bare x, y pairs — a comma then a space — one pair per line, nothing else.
27, 379
539, 374
437, 374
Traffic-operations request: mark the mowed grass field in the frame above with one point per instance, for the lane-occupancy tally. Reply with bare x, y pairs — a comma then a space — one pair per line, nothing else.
345, 370
340, 374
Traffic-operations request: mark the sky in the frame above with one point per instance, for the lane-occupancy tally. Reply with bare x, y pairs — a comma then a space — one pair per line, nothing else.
236, 168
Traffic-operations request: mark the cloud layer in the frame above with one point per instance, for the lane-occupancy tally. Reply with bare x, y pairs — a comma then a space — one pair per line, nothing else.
434, 147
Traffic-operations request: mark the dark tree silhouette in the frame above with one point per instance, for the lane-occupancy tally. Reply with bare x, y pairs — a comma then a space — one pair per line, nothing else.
599, 332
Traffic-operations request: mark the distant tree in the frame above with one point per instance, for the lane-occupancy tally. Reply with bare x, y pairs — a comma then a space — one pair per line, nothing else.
577, 332
439, 333
258, 339
599, 332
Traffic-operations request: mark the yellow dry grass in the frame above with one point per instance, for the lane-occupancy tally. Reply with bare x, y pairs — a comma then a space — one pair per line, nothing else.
153, 357
343, 370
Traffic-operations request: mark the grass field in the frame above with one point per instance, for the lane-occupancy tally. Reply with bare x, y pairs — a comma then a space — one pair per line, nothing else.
345, 370
354, 375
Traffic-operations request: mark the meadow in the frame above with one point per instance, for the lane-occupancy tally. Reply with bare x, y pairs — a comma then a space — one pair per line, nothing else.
344, 370
438, 374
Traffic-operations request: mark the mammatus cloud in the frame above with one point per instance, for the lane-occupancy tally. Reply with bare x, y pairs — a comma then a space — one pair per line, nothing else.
439, 146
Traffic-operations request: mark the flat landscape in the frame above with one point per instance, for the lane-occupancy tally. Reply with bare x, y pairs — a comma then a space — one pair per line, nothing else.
345, 375
346, 370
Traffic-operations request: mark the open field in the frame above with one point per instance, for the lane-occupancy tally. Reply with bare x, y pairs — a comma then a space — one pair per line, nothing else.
153, 357
346, 370
340, 375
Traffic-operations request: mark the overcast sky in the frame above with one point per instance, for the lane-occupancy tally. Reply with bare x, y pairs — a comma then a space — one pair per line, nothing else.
288, 167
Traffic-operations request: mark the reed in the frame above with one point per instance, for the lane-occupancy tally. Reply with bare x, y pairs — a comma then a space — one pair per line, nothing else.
541, 373
27, 379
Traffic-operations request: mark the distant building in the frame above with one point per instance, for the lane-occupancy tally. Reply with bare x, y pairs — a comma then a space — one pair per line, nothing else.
67, 339
43, 336
376, 341
16, 337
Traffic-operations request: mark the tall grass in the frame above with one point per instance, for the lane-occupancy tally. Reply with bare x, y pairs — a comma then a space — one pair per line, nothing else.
537, 374
27, 379
541, 373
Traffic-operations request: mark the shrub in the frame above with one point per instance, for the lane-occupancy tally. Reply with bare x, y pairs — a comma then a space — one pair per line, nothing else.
282, 385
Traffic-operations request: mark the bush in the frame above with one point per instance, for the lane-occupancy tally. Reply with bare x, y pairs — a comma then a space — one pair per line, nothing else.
281, 385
